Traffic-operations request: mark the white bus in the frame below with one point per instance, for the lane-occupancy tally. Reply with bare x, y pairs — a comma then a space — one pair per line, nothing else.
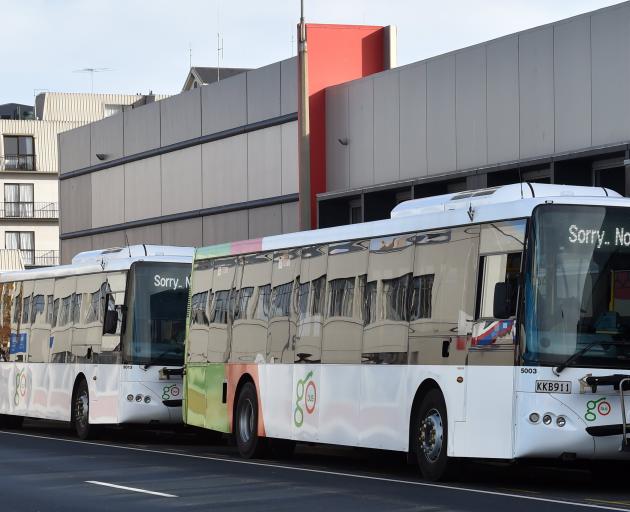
93, 342
491, 324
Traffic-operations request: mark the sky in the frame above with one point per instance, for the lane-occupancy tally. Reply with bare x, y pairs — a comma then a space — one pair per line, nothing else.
145, 45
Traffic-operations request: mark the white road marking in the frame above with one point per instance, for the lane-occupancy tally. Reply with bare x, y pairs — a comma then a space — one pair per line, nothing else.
324, 472
134, 489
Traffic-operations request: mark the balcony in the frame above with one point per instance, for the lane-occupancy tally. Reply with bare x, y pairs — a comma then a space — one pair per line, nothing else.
17, 163
26, 210
42, 258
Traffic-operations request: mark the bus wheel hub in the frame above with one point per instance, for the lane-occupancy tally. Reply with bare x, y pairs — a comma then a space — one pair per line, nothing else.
431, 435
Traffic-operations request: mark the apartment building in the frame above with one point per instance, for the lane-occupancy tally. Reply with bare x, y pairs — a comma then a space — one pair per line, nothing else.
29, 190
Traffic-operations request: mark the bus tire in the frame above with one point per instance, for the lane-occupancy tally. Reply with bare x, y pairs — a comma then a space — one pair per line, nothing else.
81, 412
430, 436
11, 421
249, 444
281, 448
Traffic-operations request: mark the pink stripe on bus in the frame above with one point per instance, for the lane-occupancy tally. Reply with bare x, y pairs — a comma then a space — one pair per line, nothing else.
246, 246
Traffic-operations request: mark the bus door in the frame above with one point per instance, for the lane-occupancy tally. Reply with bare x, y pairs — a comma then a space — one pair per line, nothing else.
492, 348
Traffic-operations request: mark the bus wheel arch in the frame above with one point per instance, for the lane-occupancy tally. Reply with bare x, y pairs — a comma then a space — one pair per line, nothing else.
428, 431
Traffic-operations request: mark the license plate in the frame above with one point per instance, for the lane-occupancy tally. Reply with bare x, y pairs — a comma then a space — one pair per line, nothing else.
553, 386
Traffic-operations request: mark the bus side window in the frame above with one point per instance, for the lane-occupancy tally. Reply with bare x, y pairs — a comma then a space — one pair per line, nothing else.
493, 269
39, 337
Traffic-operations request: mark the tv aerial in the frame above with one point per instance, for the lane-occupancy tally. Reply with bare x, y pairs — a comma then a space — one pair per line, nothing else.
91, 71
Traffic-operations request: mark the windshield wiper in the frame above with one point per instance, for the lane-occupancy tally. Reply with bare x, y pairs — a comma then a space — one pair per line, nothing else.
583, 351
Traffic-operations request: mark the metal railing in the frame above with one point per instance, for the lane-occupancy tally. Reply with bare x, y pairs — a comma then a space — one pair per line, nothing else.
29, 210
41, 258
17, 162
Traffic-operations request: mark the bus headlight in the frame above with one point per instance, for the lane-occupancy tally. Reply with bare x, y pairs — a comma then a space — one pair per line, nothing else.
547, 419
147, 399
138, 398
561, 421
534, 417
130, 397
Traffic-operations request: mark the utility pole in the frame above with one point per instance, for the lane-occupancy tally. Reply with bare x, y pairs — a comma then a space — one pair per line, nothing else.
303, 130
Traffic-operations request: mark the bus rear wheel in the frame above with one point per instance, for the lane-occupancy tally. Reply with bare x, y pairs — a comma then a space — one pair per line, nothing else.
249, 444
430, 436
81, 412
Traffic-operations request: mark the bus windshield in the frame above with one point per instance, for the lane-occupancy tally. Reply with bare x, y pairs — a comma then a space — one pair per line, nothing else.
577, 287
156, 313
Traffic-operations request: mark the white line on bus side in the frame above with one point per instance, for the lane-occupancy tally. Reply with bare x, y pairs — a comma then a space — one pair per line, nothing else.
324, 472
134, 489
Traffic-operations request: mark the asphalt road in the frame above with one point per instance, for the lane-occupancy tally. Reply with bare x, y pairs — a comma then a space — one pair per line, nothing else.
44, 468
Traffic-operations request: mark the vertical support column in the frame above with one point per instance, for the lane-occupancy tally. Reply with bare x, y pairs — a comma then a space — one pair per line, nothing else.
303, 130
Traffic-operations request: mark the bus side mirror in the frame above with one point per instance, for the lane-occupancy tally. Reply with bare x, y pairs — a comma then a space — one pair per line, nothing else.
502, 306
111, 321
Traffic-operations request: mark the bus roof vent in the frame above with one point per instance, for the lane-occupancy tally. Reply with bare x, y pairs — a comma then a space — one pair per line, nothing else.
496, 195
133, 251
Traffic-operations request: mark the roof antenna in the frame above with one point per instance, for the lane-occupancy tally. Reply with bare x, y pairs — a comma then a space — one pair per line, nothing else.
127, 243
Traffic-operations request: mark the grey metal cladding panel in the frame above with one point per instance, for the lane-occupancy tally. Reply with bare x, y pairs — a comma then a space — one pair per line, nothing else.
107, 240
290, 158
225, 227
337, 155
142, 128
183, 233
107, 139
470, 107
502, 99
263, 93
224, 171
108, 193
145, 235
386, 127
75, 198
264, 166
290, 217
441, 143
289, 86
413, 121
72, 247
74, 149
224, 104
361, 132
143, 189
180, 117
572, 78
610, 46
181, 181
265, 221
535, 58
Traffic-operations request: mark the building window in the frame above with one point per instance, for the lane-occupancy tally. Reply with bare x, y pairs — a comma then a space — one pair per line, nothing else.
24, 241
18, 200
19, 153
110, 110
355, 211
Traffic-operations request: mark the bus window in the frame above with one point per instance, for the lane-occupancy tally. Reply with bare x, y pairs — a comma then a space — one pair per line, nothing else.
223, 281
201, 300
39, 343
61, 350
310, 304
343, 328
6, 300
88, 311
283, 314
252, 296
493, 269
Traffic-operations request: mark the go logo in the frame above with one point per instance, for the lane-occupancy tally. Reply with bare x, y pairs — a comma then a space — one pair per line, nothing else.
20, 387
305, 395
595, 407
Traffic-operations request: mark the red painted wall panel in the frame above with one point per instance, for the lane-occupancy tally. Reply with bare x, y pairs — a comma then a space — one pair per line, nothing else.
336, 54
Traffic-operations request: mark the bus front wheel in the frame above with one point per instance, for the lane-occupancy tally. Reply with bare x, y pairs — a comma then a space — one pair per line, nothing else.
81, 412
430, 436
249, 444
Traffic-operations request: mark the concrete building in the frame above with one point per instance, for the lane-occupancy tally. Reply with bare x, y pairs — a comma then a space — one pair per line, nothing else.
220, 162
29, 212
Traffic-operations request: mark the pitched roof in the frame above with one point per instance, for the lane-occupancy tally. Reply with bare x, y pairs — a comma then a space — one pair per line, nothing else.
203, 75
